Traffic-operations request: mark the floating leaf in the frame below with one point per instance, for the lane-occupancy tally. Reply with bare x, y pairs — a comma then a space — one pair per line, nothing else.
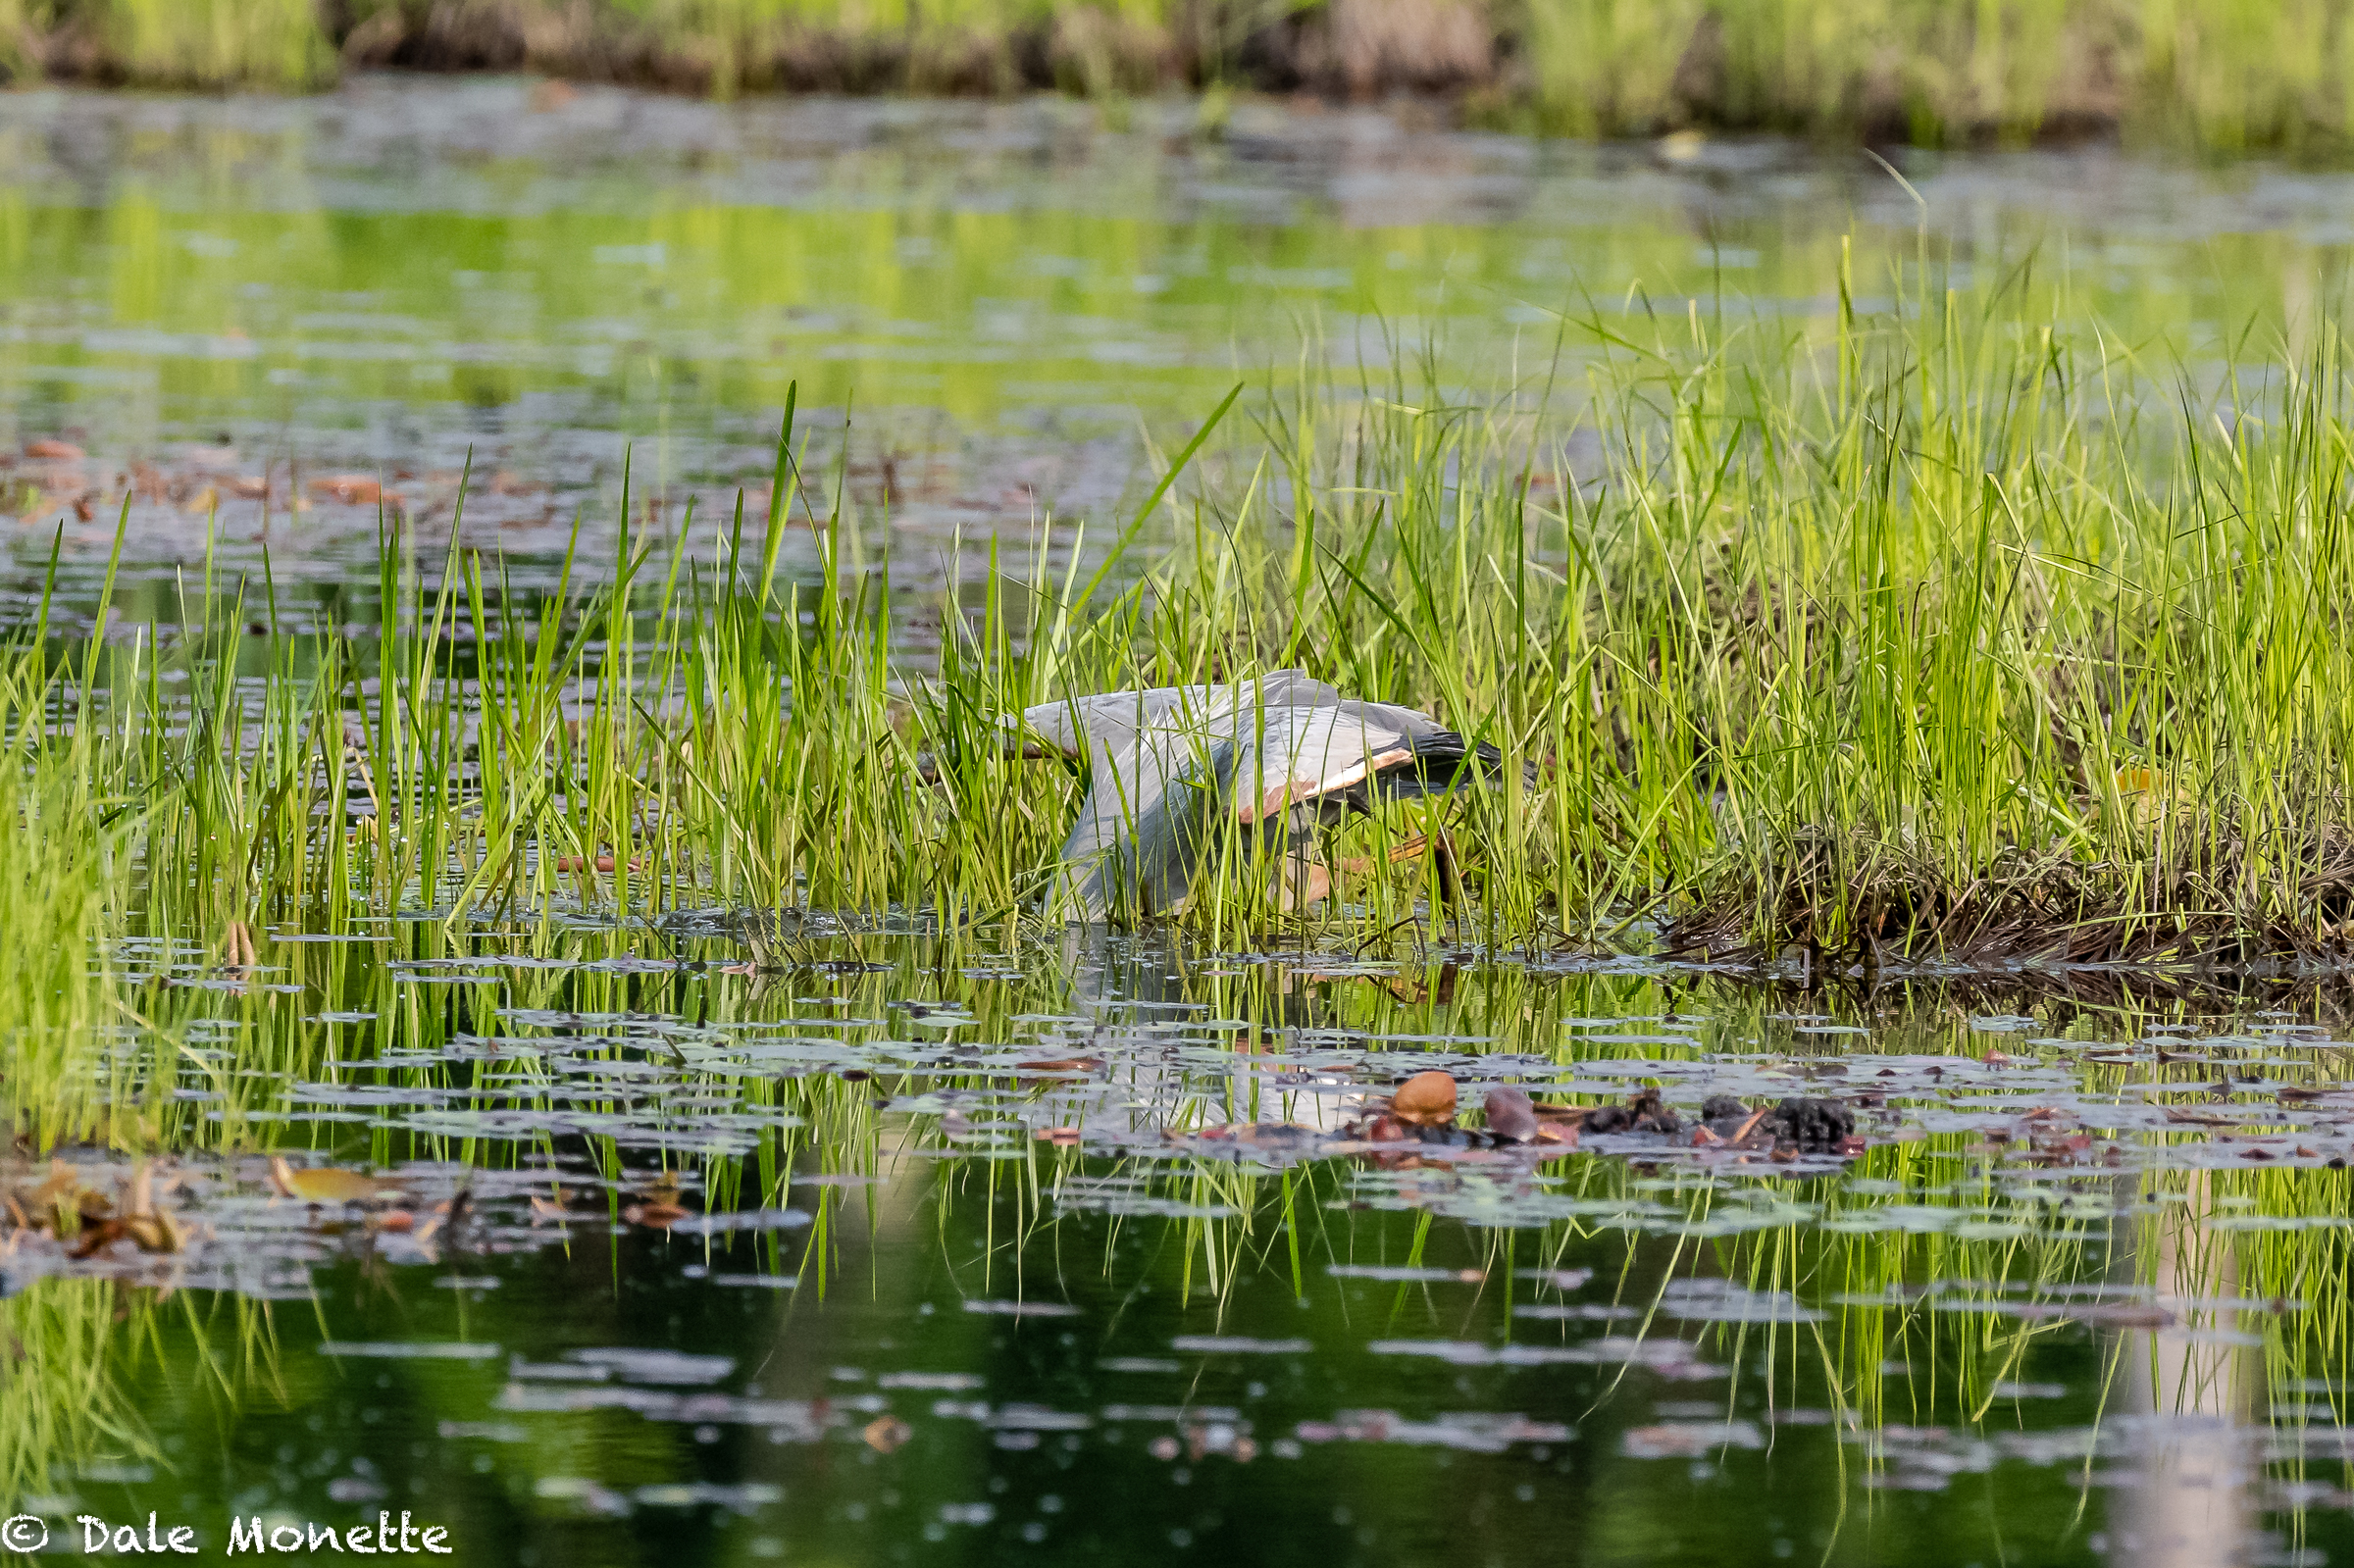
328, 1184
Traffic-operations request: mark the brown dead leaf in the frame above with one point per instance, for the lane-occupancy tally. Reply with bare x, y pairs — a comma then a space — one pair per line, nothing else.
655, 1216
62, 1182
153, 1233
140, 1204
1510, 1113
96, 1238
1426, 1098
885, 1433
1059, 1137
52, 451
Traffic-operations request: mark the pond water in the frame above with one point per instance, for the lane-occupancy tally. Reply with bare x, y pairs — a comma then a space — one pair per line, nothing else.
239, 302
595, 1240
907, 1250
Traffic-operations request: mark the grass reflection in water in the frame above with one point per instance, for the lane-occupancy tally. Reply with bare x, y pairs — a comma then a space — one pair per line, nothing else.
725, 1235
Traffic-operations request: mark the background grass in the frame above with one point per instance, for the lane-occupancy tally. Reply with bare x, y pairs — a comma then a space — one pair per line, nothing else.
2226, 74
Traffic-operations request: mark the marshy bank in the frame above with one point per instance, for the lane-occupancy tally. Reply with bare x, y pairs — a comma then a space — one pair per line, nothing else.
2221, 74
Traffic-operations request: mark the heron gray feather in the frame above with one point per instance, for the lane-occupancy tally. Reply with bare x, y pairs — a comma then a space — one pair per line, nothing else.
1169, 763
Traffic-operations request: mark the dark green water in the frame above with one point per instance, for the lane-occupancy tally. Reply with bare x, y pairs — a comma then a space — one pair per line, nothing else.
1002, 1254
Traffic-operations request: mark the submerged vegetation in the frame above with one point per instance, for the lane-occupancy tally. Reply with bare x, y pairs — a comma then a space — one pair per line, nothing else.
2226, 74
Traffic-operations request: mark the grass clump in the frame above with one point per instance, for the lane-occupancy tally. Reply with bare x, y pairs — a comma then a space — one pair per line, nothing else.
168, 43
1934, 633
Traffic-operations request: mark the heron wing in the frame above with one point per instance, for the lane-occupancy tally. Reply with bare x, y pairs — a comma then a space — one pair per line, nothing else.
1110, 721
1292, 689
1442, 762
1168, 760
1138, 833
1411, 723
1297, 754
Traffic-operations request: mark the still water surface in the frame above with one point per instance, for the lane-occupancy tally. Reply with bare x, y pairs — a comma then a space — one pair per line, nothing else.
226, 301
911, 1251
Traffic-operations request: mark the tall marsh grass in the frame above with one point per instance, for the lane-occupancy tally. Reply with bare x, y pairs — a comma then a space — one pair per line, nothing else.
1928, 631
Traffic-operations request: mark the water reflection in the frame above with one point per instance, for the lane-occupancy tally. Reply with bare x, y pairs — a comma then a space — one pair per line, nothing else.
608, 1242
2198, 1386
660, 1254
248, 301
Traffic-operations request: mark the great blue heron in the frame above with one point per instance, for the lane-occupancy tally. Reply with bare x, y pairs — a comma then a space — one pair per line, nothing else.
1275, 756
